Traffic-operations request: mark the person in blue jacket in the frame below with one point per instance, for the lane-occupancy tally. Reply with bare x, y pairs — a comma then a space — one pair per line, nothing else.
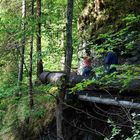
111, 58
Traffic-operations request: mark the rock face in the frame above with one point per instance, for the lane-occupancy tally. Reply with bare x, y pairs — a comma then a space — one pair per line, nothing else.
112, 24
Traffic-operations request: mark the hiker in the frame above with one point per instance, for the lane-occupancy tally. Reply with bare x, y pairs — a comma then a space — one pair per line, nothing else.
87, 64
111, 58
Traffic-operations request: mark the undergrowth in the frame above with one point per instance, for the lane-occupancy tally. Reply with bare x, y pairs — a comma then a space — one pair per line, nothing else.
18, 122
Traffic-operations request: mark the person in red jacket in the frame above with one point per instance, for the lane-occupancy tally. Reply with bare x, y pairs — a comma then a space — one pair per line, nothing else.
87, 64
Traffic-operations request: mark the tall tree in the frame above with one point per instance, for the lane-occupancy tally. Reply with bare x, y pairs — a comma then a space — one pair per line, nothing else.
31, 57
67, 68
39, 59
69, 48
21, 62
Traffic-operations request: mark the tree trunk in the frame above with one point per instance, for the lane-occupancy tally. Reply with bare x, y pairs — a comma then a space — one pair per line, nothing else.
30, 65
67, 69
69, 49
59, 110
62, 45
59, 118
39, 59
21, 62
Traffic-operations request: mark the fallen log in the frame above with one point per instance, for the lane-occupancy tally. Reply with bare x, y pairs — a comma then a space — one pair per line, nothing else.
75, 79
54, 77
109, 101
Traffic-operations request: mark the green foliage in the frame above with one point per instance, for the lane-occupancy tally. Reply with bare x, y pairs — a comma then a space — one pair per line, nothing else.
131, 19
122, 39
115, 130
14, 112
7, 81
135, 127
120, 79
82, 86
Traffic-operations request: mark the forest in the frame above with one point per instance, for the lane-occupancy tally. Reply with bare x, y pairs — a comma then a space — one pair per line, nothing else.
69, 70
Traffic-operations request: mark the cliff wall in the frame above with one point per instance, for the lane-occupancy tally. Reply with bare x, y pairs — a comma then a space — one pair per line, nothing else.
112, 25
